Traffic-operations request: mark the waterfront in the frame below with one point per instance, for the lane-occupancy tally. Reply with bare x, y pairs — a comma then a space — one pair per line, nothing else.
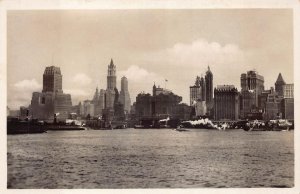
151, 158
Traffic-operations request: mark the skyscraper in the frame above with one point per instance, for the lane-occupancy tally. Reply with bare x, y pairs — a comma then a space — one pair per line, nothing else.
279, 84
124, 94
111, 85
52, 79
209, 86
252, 85
254, 82
195, 92
111, 76
226, 103
209, 92
52, 99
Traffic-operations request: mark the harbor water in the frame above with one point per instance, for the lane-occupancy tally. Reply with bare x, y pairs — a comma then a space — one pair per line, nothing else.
151, 158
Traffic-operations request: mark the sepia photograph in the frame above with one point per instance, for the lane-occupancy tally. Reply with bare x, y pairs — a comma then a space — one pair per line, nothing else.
150, 98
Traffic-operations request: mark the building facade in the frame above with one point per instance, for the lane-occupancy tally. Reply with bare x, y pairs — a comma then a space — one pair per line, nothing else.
226, 103
162, 104
288, 91
51, 100
124, 94
279, 84
252, 86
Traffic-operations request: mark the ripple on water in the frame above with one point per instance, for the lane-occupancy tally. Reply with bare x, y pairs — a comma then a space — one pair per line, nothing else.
150, 159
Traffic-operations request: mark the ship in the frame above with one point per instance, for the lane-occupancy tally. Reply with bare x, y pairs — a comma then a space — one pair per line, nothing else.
26, 126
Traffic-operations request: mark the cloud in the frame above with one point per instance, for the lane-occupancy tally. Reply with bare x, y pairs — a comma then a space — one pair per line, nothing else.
26, 85
20, 93
137, 74
76, 92
200, 52
81, 79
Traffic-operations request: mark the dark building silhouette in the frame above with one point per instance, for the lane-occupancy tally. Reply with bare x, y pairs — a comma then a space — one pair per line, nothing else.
272, 110
226, 103
209, 86
124, 94
252, 85
52, 80
162, 104
52, 99
280, 103
111, 85
209, 92
279, 85
111, 76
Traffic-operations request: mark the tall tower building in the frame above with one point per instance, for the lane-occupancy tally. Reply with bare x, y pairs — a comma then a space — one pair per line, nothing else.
111, 76
52, 99
52, 80
203, 89
209, 86
279, 84
252, 85
195, 92
252, 81
124, 94
111, 85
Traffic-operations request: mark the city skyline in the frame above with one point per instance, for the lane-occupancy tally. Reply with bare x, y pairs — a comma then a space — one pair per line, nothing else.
80, 43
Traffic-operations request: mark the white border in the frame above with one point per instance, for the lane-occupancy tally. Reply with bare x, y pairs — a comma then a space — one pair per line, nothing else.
144, 4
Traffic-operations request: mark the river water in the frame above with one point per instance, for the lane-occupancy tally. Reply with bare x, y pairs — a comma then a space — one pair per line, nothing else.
151, 158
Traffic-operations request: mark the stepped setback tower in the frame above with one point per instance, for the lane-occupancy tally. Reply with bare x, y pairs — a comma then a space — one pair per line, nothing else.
111, 85
51, 100
124, 97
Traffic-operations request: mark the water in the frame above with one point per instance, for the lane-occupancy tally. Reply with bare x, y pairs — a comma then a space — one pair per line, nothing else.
138, 158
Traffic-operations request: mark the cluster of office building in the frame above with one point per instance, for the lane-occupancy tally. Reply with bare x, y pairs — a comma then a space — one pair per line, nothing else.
224, 102
52, 102
253, 101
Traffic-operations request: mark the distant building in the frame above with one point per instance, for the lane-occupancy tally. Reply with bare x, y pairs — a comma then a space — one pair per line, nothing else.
209, 92
226, 103
52, 99
287, 108
209, 86
196, 92
252, 85
88, 108
111, 85
201, 95
272, 110
279, 84
162, 104
124, 95
288, 91
248, 102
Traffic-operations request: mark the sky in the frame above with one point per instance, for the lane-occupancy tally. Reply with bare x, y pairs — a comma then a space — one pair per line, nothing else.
146, 46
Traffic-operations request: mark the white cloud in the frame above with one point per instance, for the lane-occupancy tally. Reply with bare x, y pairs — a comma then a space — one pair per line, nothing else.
21, 92
76, 92
26, 85
82, 79
201, 52
137, 74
